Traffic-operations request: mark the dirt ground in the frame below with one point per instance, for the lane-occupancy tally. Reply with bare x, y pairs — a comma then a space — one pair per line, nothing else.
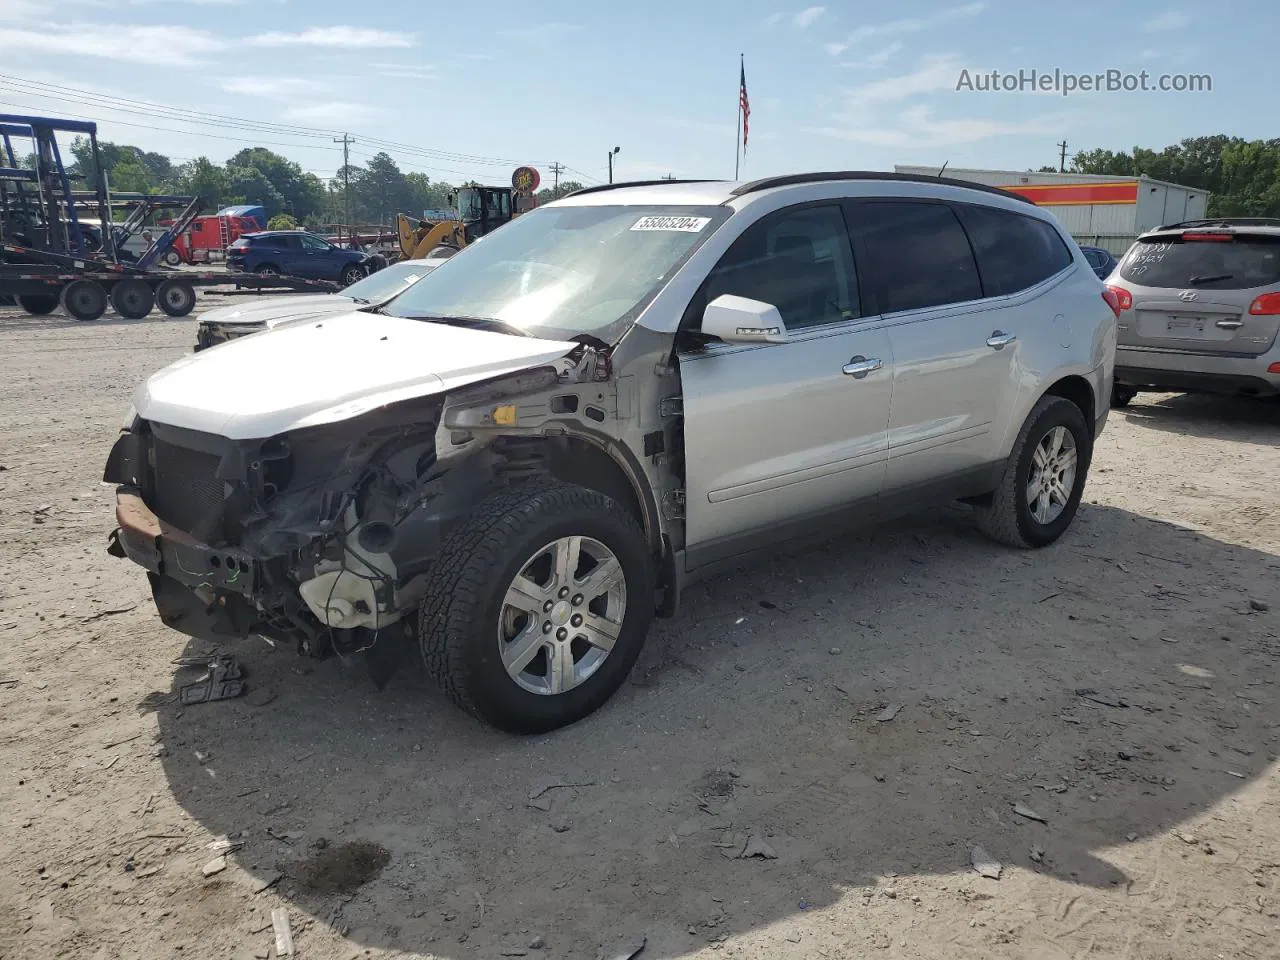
856, 718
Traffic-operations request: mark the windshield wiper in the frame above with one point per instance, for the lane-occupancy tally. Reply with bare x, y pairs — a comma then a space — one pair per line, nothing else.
478, 323
1210, 279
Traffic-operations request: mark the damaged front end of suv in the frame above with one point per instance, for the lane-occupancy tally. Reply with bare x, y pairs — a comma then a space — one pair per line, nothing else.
322, 537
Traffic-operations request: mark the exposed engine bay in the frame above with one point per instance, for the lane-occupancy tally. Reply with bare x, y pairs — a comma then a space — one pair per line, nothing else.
323, 537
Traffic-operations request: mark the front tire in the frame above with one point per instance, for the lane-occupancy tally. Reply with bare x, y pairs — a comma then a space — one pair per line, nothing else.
352, 274
537, 606
1043, 479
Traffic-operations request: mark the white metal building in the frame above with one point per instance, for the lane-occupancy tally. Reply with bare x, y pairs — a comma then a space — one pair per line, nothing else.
1100, 211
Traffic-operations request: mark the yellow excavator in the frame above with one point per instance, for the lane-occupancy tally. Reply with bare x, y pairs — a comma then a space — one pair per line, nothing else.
481, 210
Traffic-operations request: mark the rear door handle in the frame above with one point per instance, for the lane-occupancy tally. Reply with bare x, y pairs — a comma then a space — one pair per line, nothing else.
1229, 324
860, 366
998, 340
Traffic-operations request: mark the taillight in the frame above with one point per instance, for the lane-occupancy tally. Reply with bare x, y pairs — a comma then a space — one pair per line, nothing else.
1118, 299
1208, 237
1266, 305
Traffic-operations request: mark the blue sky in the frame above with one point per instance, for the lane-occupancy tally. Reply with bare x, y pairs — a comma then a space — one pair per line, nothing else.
466, 89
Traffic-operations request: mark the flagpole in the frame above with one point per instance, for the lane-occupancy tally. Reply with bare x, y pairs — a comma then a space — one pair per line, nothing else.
737, 131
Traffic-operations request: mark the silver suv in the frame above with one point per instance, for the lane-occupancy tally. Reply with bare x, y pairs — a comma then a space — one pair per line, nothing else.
1200, 305
520, 460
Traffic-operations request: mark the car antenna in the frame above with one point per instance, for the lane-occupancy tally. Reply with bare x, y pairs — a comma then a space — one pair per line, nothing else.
942, 169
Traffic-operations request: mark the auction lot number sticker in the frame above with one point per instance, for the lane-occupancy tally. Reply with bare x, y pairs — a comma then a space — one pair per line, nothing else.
676, 224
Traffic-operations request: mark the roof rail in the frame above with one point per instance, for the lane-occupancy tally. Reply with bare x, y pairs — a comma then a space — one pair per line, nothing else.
1224, 222
632, 183
785, 181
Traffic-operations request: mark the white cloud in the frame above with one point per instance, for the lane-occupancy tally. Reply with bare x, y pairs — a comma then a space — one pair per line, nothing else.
910, 25
773, 20
542, 32
917, 127
878, 59
358, 38
808, 15
934, 75
333, 113
273, 88
1171, 20
402, 72
158, 45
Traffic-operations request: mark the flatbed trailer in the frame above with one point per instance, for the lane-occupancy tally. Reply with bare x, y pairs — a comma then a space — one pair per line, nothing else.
84, 287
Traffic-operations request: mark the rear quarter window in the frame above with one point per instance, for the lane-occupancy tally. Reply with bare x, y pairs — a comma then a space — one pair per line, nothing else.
1014, 252
1237, 264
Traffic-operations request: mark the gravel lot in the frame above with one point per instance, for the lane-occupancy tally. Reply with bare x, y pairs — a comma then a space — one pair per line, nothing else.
387, 824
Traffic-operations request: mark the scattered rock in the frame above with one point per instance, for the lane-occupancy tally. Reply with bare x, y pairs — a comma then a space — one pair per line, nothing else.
1257, 606
214, 866
267, 882
1024, 811
1187, 838
879, 778
757, 849
889, 712
633, 948
835, 651
975, 732
561, 826
1036, 854
889, 894
1093, 696
1131, 837
985, 864
537, 943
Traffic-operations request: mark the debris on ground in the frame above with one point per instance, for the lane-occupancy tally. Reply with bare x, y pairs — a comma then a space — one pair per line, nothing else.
542, 803
1257, 606
1102, 699
267, 882
215, 866
889, 712
985, 864
283, 932
113, 611
1036, 854
1187, 838
1026, 812
632, 948
547, 788
223, 680
1131, 837
757, 849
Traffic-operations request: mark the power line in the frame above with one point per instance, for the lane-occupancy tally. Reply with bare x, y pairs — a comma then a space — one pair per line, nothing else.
203, 119
555, 172
346, 142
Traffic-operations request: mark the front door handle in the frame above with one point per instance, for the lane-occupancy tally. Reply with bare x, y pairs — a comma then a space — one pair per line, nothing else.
999, 340
1229, 324
860, 366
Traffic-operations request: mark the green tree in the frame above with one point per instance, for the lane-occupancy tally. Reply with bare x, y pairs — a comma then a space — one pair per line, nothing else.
382, 189
204, 179
277, 182
282, 221
250, 185
546, 194
425, 195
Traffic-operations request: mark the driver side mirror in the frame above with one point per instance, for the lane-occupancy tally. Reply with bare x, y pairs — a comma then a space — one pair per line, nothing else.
742, 320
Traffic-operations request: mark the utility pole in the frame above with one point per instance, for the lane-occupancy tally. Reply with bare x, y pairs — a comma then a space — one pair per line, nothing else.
1062, 156
612, 154
668, 177
346, 142
556, 170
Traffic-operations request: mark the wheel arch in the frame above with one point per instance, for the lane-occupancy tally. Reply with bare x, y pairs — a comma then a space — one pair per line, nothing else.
1079, 391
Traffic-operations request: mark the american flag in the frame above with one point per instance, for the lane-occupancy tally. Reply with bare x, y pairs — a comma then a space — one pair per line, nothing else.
744, 105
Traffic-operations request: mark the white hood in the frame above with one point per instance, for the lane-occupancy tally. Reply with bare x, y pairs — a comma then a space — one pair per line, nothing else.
333, 369
273, 310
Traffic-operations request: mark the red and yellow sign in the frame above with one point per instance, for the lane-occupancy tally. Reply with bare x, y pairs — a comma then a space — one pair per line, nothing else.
1076, 194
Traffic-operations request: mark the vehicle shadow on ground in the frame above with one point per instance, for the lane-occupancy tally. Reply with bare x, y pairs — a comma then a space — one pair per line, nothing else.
869, 710
1210, 417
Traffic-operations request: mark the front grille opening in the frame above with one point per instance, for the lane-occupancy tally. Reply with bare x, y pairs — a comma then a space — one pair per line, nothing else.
186, 489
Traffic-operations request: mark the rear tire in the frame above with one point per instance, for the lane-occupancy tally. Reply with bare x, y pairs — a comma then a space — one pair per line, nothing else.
171, 258
468, 625
84, 299
1009, 517
38, 304
176, 298
132, 299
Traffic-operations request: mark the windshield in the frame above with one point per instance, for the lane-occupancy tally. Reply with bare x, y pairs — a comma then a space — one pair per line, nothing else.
559, 272
1238, 264
387, 282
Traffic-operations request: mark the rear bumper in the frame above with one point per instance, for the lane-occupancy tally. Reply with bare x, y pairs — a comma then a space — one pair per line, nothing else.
1163, 370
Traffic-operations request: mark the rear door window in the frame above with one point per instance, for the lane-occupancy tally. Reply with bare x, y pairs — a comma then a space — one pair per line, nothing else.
284, 242
916, 253
1014, 252
1236, 264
